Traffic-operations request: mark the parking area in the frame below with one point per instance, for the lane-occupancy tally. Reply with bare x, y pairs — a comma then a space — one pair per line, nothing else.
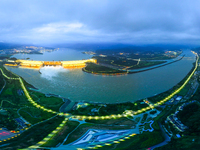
5, 134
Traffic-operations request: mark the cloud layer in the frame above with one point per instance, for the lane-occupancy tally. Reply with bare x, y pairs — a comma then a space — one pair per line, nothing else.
124, 21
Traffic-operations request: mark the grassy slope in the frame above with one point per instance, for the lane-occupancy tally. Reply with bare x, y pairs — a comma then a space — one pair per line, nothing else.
94, 68
33, 135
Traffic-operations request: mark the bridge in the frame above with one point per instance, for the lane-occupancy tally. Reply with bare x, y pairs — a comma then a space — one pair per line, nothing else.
64, 64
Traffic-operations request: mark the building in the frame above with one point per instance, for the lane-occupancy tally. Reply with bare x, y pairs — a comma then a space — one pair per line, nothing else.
179, 98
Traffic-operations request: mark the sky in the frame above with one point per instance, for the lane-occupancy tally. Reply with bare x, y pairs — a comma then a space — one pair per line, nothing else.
92, 21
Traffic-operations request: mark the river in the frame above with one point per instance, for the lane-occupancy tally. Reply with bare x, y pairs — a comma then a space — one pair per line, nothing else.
81, 86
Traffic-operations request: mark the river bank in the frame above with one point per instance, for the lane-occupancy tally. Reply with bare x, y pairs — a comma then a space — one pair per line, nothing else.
105, 73
90, 68
157, 66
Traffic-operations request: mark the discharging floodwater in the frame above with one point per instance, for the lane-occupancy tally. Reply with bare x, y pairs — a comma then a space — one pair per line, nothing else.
80, 86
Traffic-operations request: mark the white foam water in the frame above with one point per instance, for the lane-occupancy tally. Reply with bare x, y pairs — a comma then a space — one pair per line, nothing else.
50, 72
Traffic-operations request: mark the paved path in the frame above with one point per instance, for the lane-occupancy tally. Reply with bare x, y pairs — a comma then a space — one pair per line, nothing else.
3, 85
167, 138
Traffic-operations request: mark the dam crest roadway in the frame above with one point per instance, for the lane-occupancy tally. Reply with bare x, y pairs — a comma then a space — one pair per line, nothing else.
64, 64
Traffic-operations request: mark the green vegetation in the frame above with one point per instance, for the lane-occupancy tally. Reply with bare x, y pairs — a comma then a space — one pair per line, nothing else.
121, 121
159, 57
109, 109
124, 62
95, 68
105, 60
120, 108
8, 73
7, 121
132, 64
85, 110
183, 143
10, 101
185, 90
53, 103
34, 115
153, 112
8, 91
15, 102
60, 136
147, 126
144, 64
4, 57
161, 117
197, 95
137, 142
144, 117
33, 135
189, 116
130, 59
137, 119
12, 58
80, 131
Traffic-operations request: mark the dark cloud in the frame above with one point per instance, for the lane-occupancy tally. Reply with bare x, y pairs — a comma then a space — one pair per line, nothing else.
129, 21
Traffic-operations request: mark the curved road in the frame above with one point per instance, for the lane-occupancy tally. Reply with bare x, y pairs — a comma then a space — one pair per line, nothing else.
167, 138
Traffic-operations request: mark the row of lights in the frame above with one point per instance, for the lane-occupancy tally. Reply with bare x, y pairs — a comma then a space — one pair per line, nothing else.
17, 131
174, 124
59, 127
28, 96
10, 138
110, 143
50, 135
16, 135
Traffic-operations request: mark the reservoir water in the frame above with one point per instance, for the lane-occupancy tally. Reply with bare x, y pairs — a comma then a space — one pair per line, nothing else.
80, 86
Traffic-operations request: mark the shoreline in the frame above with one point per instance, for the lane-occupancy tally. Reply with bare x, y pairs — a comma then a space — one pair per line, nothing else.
158, 66
104, 74
129, 71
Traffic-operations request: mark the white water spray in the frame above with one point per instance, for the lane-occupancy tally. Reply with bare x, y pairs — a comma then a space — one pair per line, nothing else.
49, 72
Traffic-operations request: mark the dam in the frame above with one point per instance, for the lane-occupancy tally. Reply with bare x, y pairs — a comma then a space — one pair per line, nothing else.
64, 64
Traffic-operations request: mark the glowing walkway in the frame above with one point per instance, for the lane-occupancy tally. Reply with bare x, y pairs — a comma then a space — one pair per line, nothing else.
51, 135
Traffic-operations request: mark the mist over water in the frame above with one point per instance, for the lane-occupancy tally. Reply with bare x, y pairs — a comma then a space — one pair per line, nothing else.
49, 72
